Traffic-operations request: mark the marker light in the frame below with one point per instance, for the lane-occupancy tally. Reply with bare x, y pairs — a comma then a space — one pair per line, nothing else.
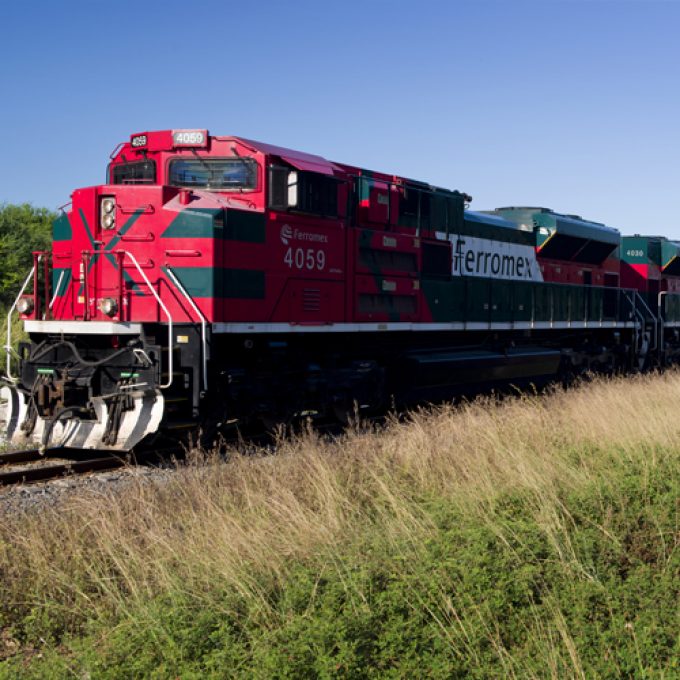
25, 305
109, 306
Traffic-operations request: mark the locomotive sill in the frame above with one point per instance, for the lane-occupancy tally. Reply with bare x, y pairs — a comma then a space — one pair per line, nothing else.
83, 327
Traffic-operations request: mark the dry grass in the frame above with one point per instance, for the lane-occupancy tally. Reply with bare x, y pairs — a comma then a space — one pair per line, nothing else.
242, 524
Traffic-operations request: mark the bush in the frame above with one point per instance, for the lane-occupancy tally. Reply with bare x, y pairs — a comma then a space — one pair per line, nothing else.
23, 229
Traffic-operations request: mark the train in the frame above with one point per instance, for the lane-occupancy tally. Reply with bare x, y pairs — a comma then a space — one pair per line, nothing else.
214, 282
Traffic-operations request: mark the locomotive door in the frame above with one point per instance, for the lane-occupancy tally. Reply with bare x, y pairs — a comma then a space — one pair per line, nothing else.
386, 262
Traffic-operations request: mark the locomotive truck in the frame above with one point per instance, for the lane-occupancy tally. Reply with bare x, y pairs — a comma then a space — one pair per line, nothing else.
213, 281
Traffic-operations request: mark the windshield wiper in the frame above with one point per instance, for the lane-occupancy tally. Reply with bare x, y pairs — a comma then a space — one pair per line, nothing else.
245, 163
206, 166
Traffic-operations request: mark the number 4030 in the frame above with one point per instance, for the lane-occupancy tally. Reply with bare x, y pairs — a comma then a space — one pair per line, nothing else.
301, 258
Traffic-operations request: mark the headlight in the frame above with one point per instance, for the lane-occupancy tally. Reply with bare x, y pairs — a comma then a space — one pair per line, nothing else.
109, 306
107, 212
108, 205
25, 305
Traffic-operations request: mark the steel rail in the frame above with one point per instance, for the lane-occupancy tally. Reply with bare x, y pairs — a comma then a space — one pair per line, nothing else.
45, 473
25, 456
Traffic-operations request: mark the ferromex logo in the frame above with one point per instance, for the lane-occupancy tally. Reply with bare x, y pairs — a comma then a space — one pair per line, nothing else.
286, 234
289, 234
493, 259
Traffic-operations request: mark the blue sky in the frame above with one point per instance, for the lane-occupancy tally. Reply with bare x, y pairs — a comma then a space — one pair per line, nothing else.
571, 104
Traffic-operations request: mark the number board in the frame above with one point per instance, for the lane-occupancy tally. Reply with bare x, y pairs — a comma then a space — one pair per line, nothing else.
190, 138
138, 140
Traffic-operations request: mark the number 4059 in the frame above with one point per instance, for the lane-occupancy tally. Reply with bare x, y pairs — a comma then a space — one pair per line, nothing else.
301, 258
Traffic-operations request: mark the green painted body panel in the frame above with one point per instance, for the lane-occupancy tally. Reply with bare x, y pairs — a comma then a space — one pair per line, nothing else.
61, 228
522, 294
672, 305
194, 223
446, 299
564, 304
500, 302
65, 275
248, 227
635, 249
595, 303
670, 257
216, 282
477, 300
230, 225
478, 229
542, 297
575, 228
548, 223
564, 237
656, 250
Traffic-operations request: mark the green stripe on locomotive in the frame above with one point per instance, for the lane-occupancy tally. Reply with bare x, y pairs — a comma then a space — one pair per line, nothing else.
672, 306
229, 225
494, 228
656, 250
61, 277
218, 282
61, 228
483, 300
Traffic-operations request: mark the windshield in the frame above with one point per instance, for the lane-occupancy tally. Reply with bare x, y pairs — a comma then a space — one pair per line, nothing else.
214, 173
137, 172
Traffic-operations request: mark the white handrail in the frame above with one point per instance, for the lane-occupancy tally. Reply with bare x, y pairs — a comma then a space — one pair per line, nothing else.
637, 313
204, 355
167, 313
656, 321
57, 288
160, 304
8, 346
662, 323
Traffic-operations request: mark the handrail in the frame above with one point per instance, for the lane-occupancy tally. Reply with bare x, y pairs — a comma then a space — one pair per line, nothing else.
57, 288
167, 313
161, 304
654, 318
636, 312
8, 346
204, 355
662, 324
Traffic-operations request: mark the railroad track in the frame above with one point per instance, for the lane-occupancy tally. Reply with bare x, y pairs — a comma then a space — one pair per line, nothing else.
36, 467
30, 466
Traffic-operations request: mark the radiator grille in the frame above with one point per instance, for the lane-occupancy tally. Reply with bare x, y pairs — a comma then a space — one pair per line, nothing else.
311, 299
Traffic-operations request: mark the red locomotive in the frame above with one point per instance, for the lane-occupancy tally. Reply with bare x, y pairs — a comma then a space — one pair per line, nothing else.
217, 280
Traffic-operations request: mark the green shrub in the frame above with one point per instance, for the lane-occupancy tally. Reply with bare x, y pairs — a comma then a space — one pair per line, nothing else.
23, 229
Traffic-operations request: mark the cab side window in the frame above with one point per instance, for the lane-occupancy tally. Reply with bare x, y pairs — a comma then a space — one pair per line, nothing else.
414, 207
305, 192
